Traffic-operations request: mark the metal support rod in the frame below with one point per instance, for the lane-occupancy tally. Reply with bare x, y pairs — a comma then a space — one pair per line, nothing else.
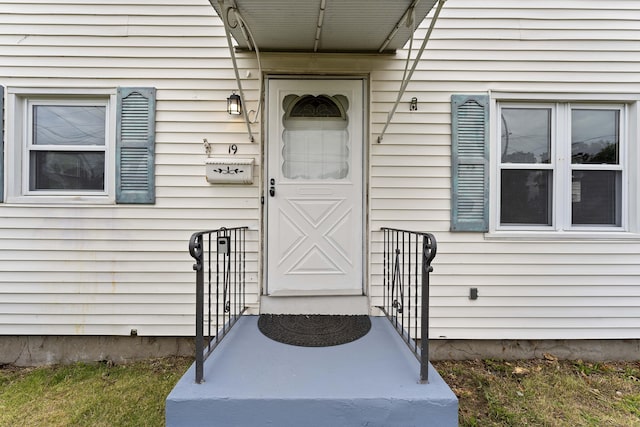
227, 32
316, 43
405, 82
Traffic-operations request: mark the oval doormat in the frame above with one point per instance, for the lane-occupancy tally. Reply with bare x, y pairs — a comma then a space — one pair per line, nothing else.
313, 330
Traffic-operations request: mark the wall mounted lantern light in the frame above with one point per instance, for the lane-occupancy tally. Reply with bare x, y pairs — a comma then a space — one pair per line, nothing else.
234, 105
413, 105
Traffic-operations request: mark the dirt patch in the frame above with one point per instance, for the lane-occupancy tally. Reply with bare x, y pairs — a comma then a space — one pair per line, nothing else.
545, 392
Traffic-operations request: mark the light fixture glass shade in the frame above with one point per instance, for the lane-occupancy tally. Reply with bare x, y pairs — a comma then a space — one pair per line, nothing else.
234, 105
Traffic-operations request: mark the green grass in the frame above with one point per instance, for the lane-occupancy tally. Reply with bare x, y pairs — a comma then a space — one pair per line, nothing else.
89, 394
491, 393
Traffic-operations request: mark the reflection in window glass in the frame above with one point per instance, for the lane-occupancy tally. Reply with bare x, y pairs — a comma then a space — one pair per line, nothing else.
540, 187
68, 147
68, 125
525, 197
596, 197
526, 135
66, 170
595, 136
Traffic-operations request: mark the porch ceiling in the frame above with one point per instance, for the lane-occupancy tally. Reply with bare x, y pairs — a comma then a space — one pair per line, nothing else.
371, 26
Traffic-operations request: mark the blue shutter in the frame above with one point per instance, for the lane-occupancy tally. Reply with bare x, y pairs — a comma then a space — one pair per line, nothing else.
470, 162
135, 145
1, 144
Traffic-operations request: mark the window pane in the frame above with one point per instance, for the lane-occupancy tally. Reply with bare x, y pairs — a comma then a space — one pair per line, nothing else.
525, 197
68, 125
595, 136
596, 198
526, 135
66, 170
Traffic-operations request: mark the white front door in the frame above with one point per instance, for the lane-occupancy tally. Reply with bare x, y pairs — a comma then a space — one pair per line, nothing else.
314, 197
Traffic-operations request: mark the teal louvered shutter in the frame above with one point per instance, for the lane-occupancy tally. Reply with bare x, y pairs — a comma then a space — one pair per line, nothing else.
1, 144
135, 145
470, 162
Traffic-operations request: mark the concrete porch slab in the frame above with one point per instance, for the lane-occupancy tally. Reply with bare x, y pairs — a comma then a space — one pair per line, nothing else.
251, 380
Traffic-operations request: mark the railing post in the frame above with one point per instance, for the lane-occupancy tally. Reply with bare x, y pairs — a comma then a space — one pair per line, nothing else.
424, 324
429, 248
196, 250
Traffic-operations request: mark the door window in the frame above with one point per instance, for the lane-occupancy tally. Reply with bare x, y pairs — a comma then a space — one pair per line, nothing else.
315, 143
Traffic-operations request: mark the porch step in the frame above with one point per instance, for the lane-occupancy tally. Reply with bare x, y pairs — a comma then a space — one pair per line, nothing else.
348, 305
251, 380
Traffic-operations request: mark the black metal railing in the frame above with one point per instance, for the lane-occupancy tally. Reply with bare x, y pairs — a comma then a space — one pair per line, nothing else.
220, 266
407, 264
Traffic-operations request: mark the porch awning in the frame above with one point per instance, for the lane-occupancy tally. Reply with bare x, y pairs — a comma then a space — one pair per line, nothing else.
369, 26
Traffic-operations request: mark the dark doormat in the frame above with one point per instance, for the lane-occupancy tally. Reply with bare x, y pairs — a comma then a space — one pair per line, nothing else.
313, 330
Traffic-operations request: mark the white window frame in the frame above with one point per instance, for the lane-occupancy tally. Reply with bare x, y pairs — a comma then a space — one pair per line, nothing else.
20, 102
629, 164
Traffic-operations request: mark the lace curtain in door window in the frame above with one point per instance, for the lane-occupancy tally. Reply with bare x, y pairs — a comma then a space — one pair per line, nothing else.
315, 141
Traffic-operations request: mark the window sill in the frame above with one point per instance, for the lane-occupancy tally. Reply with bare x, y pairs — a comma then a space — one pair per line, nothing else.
562, 235
61, 200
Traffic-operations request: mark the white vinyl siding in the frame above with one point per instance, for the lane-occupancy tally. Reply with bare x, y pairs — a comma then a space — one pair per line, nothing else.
528, 288
104, 270
109, 269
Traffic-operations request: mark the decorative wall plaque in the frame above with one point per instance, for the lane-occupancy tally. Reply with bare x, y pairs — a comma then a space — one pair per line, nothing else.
229, 170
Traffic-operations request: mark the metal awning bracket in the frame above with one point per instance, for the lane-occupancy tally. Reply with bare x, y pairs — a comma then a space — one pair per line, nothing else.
407, 76
225, 10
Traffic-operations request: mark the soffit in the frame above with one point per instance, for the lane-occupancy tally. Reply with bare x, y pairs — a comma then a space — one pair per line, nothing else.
323, 25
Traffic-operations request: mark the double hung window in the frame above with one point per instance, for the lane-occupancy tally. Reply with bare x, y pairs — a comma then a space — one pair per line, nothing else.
561, 166
79, 145
67, 147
